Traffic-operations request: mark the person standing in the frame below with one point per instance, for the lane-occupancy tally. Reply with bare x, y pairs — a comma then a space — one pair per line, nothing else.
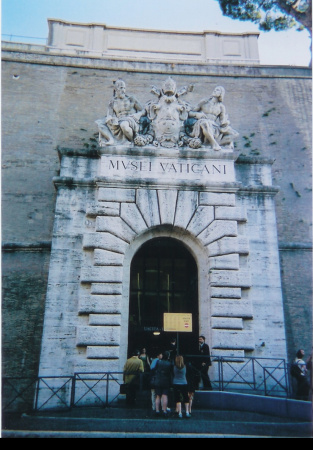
309, 366
163, 378
180, 386
132, 369
146, 364
303, 386
173, 349
145, 359
204, 363
152, 378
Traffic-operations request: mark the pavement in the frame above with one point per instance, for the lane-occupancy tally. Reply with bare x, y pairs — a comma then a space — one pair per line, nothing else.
122, 422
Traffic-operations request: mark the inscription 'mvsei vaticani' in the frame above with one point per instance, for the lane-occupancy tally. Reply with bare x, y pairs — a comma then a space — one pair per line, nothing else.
167, 167
158, 167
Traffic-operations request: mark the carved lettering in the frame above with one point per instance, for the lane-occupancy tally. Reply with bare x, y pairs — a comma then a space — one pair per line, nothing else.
173, 168
111, 165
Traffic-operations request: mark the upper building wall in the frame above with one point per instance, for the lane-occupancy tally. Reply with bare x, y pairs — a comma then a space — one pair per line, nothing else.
102, 41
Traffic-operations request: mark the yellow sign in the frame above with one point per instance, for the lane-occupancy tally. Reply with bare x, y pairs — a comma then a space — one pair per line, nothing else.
180, 322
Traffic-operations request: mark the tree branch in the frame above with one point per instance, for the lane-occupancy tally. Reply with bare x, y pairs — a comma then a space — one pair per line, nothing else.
305, 18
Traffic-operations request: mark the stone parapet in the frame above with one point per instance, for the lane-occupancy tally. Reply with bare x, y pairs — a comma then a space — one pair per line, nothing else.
99, 40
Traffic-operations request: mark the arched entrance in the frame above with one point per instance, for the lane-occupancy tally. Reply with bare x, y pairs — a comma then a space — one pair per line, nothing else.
163, 278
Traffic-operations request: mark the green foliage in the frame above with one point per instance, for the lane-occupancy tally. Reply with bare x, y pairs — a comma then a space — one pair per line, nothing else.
296, 192
267, 113
271, 14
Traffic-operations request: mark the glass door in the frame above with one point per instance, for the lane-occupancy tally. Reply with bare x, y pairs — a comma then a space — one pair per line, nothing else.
163, 279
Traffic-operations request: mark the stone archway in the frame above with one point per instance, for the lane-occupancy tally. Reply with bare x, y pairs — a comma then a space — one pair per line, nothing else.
197, 253
207, 224
163, 279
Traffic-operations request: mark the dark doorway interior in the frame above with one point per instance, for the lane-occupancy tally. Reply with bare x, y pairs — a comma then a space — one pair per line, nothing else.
164, 278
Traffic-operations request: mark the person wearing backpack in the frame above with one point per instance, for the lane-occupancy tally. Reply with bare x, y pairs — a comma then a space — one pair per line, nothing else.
162, 383
299, 371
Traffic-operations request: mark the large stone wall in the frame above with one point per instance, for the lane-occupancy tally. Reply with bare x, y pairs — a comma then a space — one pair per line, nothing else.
50, 101
24, 284
108, 206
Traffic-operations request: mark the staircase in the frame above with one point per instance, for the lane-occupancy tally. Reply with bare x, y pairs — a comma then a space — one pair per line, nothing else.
141, 422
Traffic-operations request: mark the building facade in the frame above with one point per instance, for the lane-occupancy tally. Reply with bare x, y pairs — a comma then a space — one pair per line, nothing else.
155, 221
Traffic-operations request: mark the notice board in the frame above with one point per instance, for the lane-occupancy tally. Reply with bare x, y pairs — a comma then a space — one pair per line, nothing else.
178, 322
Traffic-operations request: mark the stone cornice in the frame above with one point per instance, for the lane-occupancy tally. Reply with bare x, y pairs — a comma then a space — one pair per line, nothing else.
256, 190
136, 65
26, 246
79, 152
72, 182
175, 152
254, 160
212, 187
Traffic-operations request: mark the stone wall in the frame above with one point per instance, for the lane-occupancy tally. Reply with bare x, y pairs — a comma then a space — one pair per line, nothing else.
24, 284
51, 101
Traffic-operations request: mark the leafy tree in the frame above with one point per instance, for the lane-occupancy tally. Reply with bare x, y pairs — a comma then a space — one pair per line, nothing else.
271, 14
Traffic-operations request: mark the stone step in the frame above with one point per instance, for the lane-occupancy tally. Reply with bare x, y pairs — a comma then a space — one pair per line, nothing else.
143, 423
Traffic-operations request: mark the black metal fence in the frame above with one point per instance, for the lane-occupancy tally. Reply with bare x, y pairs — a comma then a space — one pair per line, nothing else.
257, 376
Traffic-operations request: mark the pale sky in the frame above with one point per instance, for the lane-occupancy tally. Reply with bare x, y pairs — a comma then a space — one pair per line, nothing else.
29, 18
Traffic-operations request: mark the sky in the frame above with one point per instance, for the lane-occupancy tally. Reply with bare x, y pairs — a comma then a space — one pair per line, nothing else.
29, 18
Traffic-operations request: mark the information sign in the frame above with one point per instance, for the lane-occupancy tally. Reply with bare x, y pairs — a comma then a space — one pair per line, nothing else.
178, 322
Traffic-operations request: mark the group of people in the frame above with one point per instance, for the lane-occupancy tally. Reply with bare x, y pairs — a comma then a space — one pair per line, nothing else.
166, 373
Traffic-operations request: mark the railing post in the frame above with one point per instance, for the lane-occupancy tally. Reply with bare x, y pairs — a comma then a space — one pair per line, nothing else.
219, 372
37, 394
288, 384
73, 391
222, 374
264, 377
253, 373
107, 391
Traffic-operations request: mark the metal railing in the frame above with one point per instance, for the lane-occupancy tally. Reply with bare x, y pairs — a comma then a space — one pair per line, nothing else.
22, 39
257, 376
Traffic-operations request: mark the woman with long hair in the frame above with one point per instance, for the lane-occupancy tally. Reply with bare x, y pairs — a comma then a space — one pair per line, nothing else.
180, 386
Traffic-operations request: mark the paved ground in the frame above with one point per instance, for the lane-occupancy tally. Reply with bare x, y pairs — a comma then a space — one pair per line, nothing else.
95, 422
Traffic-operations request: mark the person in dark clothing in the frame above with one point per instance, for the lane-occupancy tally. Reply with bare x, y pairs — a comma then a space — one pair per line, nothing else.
163, 378
173, 349
303, 386
204, 363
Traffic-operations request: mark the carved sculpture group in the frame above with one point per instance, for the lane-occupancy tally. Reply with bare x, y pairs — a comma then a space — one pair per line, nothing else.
168, 121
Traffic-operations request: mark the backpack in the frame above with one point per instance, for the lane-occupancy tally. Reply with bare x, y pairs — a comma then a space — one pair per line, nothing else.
295, 370
153, 376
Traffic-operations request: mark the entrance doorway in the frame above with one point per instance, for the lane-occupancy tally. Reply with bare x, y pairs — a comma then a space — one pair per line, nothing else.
163, 279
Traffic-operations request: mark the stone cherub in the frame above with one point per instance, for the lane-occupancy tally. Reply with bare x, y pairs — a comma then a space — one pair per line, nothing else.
122, 121
210, 123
